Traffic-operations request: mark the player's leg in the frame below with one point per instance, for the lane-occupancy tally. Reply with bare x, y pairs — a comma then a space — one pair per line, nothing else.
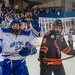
20, 68
59, 70
46, 70
6, 67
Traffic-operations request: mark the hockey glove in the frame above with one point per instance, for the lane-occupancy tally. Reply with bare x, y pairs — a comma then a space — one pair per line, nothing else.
35, 25
32, 47
25, 51
43, 63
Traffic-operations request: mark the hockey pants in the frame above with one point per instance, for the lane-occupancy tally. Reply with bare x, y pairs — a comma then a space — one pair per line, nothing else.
56, 69
14, 67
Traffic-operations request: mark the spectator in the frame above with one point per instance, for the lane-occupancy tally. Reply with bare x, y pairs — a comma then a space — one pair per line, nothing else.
70, 38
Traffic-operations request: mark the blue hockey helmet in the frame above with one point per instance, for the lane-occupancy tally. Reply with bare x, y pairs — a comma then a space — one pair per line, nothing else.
15, 21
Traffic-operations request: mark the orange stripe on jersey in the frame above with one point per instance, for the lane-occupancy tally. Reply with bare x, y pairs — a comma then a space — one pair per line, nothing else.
54, 41
59, 51
44, 49
65, 49
57, 47
68, 50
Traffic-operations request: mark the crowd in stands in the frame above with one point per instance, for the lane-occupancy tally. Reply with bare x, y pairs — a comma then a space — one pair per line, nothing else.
49, 10
25, 16
8, 14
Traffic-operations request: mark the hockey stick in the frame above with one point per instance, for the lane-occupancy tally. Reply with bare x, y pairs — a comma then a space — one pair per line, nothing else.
12, 54
59, 60
66, 58
8, 57
48, 61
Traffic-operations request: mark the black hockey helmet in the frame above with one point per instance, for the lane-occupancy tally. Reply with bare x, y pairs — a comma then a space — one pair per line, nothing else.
57, 22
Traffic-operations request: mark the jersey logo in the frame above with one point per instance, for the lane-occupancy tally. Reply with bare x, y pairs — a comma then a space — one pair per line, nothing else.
52, 36
17, 45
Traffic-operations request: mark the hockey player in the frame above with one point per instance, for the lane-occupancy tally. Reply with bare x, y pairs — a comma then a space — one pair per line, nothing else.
15, 46
53, 44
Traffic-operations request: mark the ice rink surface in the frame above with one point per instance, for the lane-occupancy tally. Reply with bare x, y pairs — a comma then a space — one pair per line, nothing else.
34, 68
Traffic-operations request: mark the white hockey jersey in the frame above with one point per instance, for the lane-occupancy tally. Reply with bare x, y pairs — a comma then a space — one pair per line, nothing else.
12, 44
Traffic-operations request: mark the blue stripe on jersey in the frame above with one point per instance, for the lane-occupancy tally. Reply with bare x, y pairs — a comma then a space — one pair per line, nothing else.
7, 30
34, 34
23, 32
6, 55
